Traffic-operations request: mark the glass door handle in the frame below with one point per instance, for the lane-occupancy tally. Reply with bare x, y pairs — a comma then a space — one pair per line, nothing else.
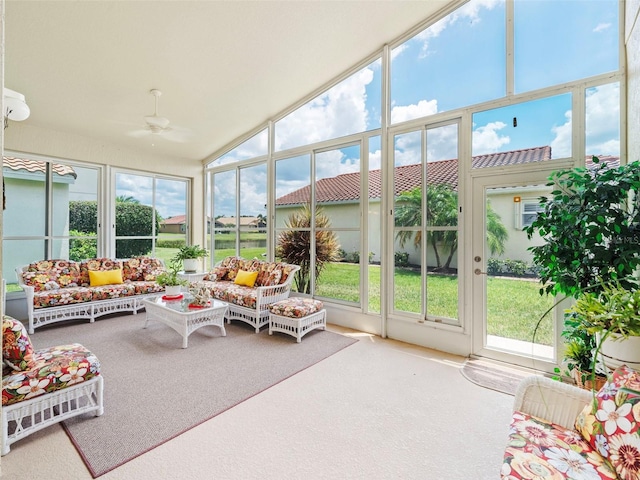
477, 271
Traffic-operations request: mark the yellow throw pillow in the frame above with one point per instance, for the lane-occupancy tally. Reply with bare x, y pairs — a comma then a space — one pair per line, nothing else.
105, 277
247, 279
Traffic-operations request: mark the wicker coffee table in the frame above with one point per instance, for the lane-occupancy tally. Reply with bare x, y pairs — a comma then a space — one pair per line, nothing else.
183, 318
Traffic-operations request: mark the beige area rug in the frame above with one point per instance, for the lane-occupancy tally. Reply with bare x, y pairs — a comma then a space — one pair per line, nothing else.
493, 375
155, 390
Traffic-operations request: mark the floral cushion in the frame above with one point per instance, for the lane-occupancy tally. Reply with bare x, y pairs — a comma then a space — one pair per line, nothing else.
141, 268
141, 288
96, 264
217, 274
611, 423
231, 293
544, 451
106, 292
62, 296
269, 275
296, 307
17, 351
52, 274
53, 369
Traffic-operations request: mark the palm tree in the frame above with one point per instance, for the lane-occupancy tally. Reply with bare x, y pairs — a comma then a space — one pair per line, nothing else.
294, 245
442, 211
127, 199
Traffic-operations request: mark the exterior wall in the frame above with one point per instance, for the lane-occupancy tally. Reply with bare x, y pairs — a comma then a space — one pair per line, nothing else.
509, 211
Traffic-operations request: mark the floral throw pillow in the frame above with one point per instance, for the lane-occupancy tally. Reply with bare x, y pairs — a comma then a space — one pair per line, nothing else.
611, 423
17, 351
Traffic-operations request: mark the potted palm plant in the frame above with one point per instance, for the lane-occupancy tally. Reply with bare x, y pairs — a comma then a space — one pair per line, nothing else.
189, 256
170, 280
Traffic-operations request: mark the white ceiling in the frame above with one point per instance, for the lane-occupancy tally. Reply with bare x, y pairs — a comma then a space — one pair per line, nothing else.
224, 67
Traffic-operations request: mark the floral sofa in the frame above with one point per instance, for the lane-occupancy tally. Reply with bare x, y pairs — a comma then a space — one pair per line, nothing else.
44, 387
249, 287
559, 431
59, 290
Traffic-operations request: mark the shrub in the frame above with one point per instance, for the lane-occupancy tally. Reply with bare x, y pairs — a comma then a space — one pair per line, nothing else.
401, 259
82, 248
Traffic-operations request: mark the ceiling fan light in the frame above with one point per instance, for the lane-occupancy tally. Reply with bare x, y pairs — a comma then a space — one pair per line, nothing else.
15, 106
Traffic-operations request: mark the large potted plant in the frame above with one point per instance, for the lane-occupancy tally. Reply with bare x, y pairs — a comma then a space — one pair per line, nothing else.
189, 256
589, 227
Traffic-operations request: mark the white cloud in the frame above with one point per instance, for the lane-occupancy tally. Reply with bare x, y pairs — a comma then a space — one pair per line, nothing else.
408, 112
375, 160
603, 120
561, 144
487, 139
338, 112
602, 27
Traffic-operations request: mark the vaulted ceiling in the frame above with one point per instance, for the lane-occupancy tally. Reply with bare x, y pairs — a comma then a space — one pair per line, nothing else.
224, 67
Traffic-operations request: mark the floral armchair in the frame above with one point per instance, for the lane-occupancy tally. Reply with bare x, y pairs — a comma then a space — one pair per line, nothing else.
46, 386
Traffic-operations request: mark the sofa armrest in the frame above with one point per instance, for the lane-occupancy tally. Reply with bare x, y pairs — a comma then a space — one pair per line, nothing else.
551, 400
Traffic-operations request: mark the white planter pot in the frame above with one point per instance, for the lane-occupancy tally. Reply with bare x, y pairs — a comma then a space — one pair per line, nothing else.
190, 264
172, 290
616, 351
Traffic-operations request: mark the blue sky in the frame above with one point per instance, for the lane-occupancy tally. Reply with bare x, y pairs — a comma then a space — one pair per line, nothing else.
458, 61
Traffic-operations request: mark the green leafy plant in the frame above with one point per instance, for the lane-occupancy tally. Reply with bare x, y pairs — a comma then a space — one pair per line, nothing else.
170, 276
590, 227
191, 252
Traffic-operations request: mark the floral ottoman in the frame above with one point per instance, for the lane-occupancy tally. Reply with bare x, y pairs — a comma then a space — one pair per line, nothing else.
297, 316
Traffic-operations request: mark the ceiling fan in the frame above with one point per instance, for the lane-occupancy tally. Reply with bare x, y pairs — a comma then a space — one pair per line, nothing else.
157, 125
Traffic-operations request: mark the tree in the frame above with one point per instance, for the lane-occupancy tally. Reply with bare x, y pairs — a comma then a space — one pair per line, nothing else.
127, 199
294, 245
442, 211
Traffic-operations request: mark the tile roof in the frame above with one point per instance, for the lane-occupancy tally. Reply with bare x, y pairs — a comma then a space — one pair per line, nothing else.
346, 187
37, 166
175, 220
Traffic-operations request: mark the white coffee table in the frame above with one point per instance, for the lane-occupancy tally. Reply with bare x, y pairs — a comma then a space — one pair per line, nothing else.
184, 319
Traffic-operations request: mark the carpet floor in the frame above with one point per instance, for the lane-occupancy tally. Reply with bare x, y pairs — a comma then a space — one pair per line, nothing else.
493, 375
155, 390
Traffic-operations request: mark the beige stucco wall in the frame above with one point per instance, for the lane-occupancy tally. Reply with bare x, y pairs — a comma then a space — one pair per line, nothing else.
632, 41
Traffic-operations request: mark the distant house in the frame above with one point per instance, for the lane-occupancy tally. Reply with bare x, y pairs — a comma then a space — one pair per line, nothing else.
248, 222
175, 224
339, 197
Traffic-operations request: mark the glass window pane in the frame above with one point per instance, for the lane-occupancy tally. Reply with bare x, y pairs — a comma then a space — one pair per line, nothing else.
351, 106
339, 280
256, 146
602, 131
527, 132
456, 62
338, 186
375, 224
407, 281
293, 180
224, 213
17, 253
25, 184
253, 211
550, 49
133, 194
171, 207
442, 176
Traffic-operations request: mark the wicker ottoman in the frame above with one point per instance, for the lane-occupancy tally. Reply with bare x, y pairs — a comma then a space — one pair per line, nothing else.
297, 316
